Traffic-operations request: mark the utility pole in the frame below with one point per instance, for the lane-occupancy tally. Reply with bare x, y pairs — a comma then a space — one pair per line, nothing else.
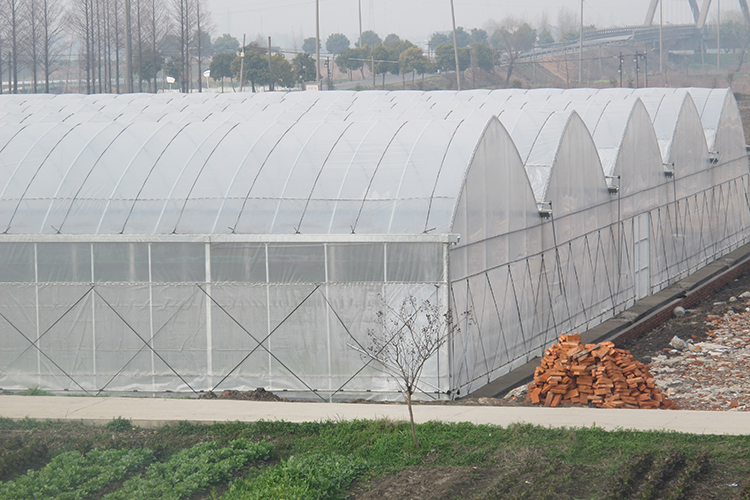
661, 26
317, 44
619, 71
372, 65
360, 23
455, 48
718, 36
645, 62
637, 68
580, 51
128, 51
270, 68
242, 62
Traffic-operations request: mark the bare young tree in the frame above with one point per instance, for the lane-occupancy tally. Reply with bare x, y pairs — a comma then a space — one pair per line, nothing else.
406, 338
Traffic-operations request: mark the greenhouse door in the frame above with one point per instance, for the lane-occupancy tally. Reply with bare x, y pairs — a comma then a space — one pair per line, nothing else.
641, 256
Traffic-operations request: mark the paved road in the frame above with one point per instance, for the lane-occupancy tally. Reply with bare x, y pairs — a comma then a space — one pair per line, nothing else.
154, 412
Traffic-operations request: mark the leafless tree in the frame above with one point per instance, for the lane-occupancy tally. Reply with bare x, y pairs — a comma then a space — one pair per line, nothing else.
157, 28
185, 20
406, 338
11, 14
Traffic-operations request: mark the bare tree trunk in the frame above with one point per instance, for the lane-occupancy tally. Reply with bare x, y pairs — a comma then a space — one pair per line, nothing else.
107, 46
411, 417
98, 35
140, 45
128, 49
88, 45
14, 43
153, 39
46, 62
117, 47
198, 20
33, 42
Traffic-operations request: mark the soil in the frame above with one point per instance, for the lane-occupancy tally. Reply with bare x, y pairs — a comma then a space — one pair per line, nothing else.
259, 394
693, 325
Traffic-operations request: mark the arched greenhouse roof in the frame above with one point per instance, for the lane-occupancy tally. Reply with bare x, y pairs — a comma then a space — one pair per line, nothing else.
275, 177
309, 162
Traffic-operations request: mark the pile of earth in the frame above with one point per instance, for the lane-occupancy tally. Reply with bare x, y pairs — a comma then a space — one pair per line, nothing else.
259, 394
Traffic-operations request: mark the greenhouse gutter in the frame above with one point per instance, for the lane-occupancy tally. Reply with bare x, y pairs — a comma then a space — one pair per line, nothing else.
645, 315
230, 238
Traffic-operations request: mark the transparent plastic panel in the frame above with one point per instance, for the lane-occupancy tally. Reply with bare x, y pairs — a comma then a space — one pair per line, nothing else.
18, 357
317, 217
351, 263
64, 262
352, 315
66, 337
407, 216
296, 263
123, 331
328, 139
179, 312
197, 216
121, 262
17, 263
414, 262
299, 340
178, 262
287, 216
63, 171
547, 142
240, 262
226, 160
239, 348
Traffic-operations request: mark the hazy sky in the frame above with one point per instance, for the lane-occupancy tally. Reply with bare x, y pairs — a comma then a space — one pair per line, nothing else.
290, 21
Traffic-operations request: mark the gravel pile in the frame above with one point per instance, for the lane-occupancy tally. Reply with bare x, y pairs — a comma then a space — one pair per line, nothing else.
709, 375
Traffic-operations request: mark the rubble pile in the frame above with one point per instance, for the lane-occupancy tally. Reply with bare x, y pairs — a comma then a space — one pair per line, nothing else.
597, 374
711, 375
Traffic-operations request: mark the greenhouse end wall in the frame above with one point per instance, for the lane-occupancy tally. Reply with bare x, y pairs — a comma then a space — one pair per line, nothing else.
569, 270
193, 315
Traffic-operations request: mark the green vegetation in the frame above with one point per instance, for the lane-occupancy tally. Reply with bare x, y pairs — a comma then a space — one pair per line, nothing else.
72, 476
35, 391
313, 476
191, 470
327, 460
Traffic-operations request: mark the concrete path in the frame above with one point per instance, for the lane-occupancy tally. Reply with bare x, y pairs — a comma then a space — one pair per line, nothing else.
153, 412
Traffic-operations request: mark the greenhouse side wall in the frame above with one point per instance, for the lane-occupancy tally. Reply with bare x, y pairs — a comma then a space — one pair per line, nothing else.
571, 272
189, 316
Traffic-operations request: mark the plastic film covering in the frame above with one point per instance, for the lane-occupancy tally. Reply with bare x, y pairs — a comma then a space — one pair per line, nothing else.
191, 317
258, 177
147, 244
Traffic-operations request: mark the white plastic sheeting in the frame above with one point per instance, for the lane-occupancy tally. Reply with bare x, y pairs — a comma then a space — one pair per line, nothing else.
211, 241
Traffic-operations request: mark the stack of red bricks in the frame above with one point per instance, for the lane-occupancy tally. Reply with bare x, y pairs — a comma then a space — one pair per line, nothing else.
593, 374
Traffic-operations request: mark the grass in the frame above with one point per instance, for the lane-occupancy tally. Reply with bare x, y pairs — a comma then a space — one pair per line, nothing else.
35, 391
519, 461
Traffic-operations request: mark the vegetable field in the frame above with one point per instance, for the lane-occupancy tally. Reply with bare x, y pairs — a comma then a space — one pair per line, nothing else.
363, 460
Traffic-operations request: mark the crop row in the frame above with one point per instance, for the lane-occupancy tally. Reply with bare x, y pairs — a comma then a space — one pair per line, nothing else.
191, 470
309, 477
72, 476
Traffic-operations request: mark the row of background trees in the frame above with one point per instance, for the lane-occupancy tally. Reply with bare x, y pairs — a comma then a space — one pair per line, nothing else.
38, 39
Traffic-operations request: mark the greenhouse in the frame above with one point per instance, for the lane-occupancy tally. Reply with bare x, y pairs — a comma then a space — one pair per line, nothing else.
189, 243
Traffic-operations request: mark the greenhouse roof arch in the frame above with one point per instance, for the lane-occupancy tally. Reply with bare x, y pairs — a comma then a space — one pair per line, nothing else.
326, 177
